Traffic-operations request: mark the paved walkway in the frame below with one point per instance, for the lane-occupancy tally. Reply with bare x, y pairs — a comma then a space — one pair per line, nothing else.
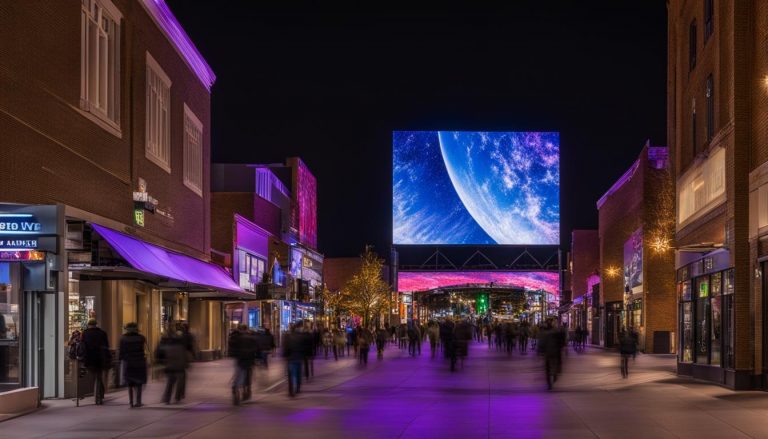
493, 396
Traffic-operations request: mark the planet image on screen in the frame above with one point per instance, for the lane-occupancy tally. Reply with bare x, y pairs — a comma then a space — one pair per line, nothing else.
508, 182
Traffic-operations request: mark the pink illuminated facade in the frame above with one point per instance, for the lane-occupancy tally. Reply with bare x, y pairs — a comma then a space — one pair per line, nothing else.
409, 281
305, 202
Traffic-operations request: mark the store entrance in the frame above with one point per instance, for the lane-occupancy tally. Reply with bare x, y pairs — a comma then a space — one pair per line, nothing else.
41, 347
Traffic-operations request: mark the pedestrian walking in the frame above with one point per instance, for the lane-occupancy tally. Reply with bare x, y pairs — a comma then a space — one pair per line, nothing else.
550, 345
433, 331
133, 362
363, 345
294, 356
97, 357
243, 347
190, 350
381, 341
172, 355
627, 348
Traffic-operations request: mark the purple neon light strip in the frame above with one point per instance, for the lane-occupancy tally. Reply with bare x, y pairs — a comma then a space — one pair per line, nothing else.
149, 258
167, 22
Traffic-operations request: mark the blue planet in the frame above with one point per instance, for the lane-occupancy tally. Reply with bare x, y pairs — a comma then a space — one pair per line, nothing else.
476, 188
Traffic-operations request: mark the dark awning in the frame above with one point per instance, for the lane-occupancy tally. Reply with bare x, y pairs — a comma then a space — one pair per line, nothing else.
203, 279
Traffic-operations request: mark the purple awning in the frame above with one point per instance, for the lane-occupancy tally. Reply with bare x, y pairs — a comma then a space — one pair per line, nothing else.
150, 258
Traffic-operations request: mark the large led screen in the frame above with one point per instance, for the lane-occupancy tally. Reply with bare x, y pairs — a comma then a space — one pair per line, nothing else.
461, 187
530, 280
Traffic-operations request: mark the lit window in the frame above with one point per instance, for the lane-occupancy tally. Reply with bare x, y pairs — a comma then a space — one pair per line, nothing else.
701, 188
100, 61
158, 120
193, 152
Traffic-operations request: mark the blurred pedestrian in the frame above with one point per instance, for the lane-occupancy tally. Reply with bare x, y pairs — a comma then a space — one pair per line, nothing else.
433, 331
381, 341
190, 350
627, 348
133, 362
550, 345
294, 355
363, 345
97, 357
243, 347
173, 356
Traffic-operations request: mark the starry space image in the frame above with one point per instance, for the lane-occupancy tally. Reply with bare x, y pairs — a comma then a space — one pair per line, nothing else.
482, 188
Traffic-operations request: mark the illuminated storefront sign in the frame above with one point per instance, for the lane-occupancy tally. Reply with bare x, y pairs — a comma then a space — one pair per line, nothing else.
30, 255
19, 223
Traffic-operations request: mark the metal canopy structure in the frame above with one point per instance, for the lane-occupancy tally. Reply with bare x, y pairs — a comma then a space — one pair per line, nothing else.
458, 258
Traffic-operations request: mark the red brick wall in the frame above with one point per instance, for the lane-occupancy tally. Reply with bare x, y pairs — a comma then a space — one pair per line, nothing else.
51, 153
585, 259
224, 206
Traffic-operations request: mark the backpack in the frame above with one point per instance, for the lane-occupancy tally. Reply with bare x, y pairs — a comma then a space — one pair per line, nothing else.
76, 347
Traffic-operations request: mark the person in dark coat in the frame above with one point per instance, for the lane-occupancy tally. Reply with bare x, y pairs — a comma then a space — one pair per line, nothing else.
172, 355
243, 347
293, 351
97, 357
550, 345
627, 348
133, 362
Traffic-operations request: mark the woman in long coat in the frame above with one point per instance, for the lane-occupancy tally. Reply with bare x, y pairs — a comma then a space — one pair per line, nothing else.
133, 361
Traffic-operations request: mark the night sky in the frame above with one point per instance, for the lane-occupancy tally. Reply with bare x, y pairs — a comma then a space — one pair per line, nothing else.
330, 81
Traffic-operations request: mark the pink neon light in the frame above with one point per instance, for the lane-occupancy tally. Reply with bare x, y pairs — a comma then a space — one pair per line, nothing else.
420, 281
306, 193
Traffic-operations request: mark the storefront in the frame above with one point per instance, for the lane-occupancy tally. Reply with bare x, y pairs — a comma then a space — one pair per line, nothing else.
706, 325
30, 351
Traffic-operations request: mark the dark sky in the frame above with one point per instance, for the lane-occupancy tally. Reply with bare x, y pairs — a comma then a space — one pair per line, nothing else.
329, 81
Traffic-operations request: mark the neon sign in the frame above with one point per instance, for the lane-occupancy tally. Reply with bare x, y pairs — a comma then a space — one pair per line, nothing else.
19, 223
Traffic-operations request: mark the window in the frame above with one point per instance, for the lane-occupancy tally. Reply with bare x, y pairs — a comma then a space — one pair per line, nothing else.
701, 187
692, 46
686, 333
193, 152
693, 127
158, 120
709, 28
100, 62
710, 93
701, 331
250, 269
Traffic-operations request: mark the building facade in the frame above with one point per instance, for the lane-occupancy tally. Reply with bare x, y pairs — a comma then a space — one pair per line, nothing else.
637, 289
583, 268
717, 134
265, 226
105, 115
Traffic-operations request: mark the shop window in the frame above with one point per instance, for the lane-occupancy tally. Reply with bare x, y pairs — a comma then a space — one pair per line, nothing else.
702, 319
251, 270
686, 332
716, 334
100, 63
728, 334
9, 326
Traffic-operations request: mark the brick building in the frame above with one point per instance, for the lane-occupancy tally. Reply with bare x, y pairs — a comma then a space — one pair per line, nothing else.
717, 133
583, 274
105, 115
265, 230
637, 280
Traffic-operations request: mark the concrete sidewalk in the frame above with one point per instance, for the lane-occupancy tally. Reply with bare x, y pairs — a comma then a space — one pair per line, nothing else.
493, 395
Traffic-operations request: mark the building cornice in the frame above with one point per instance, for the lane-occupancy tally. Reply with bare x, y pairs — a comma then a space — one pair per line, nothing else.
161, 14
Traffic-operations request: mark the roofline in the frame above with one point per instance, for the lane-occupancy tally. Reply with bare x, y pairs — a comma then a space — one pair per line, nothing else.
619, 183
161, 14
